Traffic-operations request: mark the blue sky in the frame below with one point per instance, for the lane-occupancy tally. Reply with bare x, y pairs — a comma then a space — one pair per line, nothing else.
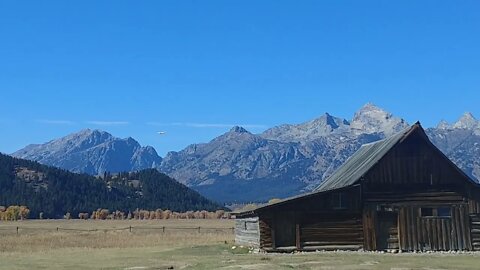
194, 68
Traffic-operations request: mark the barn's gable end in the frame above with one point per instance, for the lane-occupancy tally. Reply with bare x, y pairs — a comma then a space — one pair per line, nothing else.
405, 158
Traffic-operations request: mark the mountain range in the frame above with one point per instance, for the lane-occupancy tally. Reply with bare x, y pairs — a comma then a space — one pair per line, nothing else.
239, 166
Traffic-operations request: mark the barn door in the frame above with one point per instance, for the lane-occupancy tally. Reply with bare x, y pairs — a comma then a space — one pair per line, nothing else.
285, 230
386, 231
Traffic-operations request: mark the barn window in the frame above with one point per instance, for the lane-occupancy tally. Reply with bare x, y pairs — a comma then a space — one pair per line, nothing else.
339, 200
436, 212
444, 212
427, 212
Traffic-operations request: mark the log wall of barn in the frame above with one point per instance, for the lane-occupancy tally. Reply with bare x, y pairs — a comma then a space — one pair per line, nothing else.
331, 231
247, 231
327, 221
266, 232
355, 227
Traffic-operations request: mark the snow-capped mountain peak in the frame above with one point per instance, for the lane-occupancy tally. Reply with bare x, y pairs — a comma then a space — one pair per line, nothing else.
443, 125
373, 119
467, 121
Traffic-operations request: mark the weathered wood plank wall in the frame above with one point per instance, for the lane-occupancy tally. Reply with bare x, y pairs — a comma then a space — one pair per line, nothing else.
419, 233
247, 231
332, 232
413, 164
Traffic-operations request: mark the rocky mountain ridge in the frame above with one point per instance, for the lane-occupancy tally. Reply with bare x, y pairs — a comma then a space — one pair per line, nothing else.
282, 161
93, 152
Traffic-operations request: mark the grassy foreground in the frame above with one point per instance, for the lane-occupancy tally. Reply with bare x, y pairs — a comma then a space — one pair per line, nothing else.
179, 249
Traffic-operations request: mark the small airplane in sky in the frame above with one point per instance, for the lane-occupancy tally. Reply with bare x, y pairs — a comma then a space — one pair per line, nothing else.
162, 132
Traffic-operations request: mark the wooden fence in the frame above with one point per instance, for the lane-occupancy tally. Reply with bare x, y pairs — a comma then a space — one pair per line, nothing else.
131, 229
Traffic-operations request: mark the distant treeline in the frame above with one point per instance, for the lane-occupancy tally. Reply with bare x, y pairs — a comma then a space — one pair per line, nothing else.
54, 192
139, 214
14, 212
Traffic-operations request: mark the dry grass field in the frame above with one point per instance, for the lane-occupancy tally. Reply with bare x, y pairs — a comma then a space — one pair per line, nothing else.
42, 235
112, 246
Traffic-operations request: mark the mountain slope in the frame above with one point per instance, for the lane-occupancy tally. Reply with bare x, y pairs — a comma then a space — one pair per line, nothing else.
54, 191
460, 141
93, 152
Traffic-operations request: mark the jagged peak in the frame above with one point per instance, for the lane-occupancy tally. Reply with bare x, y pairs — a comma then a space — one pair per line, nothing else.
131, 140
88, 132
443, 124
371, 111
467, 121
329, 120
328, 116
468, 116
371, 107
238, 129
371, 118
85, 130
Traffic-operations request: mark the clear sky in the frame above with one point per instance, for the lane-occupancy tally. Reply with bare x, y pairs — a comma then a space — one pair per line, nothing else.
194, 68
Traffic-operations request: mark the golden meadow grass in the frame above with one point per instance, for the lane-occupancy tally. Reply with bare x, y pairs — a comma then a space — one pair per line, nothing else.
42, 235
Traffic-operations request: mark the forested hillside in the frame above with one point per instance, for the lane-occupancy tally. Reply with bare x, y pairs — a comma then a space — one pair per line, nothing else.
54, 191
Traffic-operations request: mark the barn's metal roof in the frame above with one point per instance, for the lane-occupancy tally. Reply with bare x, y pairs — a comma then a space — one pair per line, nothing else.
361, 162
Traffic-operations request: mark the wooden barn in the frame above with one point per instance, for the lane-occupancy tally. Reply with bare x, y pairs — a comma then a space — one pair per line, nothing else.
398, 194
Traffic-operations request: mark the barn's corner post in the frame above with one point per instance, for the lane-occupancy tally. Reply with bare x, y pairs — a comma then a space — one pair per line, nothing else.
297, 236
467, 227
399, 230
274, 245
